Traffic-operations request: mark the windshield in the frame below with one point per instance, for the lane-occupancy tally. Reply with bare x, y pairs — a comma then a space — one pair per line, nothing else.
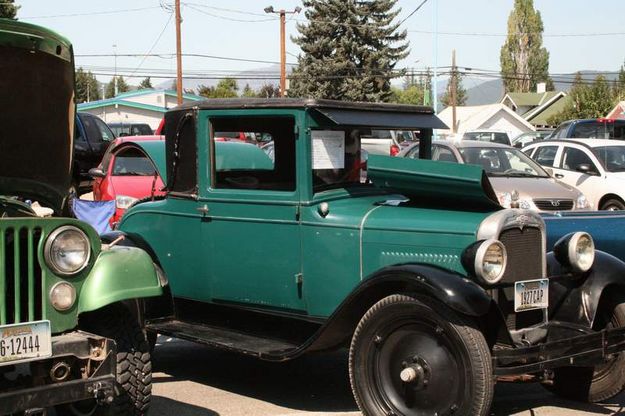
600, 129
502, 162
611, 157
487, 136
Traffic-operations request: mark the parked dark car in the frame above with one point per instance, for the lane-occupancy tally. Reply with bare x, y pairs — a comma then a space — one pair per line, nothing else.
524, 139
131, 129
92, 138
590, 128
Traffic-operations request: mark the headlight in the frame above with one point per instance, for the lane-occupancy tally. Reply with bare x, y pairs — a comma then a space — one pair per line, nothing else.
486, 260
62, 296
505, 199
575, 251
582, 202
511, 200
67, 250
124, 202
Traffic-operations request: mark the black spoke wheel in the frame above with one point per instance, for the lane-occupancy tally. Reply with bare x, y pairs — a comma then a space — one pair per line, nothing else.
603, 381
414, 356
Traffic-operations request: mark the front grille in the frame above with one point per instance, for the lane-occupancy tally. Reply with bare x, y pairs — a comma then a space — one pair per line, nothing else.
21, 281
554, 204
525, 254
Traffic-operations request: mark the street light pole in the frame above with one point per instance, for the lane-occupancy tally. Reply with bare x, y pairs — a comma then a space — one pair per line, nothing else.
282, 14
115, 91
178, 54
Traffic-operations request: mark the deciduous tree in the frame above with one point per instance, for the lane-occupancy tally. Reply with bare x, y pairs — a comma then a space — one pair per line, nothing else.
225, 88
524, 60
586, 100
8, 9
461, 93
349, 50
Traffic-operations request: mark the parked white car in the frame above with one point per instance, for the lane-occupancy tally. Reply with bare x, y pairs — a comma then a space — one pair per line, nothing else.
594, 166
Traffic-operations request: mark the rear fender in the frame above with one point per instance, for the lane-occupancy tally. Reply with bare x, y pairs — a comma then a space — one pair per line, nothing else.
119, 274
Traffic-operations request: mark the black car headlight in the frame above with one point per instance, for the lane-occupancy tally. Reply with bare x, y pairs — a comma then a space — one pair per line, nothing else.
575, 251
486, 260
67, 250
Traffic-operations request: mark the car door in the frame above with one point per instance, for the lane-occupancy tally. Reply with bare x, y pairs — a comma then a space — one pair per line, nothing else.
252, 230
591, 183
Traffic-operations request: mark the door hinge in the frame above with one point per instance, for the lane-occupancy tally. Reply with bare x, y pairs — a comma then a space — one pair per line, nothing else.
297, 212
299, 278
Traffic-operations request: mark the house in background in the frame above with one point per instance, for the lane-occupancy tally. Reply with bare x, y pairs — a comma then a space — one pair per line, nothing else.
536, 107
484, 117
618, 113
144, 106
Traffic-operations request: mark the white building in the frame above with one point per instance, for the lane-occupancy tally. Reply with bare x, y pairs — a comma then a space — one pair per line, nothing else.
485, 117
145, 106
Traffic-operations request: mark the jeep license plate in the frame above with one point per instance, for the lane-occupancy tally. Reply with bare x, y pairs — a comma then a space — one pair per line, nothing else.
531, 294
24, 342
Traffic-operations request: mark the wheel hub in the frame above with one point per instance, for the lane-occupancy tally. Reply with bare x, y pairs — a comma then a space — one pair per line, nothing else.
415, 372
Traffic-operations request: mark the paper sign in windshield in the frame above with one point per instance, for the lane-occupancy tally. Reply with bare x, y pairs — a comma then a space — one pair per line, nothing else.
328, 149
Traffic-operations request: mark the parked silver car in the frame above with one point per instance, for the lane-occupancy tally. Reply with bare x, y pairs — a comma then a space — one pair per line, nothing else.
517, 180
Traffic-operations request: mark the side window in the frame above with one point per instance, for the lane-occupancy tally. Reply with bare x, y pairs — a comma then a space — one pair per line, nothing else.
240, 165
561, 131
414, 153
96, 129
443, 154
132, 162
528, 152
573, 157
546, 155
105, 132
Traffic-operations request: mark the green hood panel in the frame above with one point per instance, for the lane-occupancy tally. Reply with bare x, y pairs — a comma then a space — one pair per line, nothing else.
427, 180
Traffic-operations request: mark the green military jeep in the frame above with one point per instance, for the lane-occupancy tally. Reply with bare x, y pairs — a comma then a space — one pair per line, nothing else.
70, 306
437, 291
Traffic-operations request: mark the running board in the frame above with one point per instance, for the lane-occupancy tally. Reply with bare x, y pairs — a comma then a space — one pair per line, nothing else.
225, 339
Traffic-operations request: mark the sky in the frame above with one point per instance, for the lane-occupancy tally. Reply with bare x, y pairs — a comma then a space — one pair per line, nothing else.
580, 35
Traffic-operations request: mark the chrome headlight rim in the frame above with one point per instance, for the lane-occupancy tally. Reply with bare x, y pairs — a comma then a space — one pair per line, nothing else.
73, 296
47, 252
478, 263
573, 258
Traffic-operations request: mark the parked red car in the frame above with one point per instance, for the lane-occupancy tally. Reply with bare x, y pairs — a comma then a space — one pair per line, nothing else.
129, 171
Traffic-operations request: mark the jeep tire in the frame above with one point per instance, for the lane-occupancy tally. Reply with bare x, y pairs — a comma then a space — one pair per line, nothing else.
601, 382
133, 389
413, 355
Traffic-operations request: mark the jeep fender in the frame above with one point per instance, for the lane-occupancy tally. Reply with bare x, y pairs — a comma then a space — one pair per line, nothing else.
577, 299
451, 288
119, 274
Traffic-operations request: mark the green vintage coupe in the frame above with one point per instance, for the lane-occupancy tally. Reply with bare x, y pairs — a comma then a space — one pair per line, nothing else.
436, 290
71, 307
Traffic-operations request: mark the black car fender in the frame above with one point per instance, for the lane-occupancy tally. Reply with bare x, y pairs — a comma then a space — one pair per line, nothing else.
453, 289
576, 298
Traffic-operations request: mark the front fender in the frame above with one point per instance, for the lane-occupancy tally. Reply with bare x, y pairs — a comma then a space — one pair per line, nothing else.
577, 299
119, 273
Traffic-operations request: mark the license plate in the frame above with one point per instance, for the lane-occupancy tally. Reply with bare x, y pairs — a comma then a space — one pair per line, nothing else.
24, 342
531, 294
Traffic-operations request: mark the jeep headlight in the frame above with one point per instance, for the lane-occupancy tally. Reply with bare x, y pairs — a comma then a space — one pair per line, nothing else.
67, 250
576, 251
486, 260
124, 202
62, 296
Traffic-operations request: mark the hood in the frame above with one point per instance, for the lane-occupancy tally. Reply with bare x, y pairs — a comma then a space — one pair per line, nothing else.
36, 113
532, 188
438, 183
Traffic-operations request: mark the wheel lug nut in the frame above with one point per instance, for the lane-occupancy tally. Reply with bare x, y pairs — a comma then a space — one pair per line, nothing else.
408, 375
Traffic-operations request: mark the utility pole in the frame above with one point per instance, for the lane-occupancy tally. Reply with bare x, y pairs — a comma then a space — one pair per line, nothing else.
115, 72
282, 14
454, 91
178, 54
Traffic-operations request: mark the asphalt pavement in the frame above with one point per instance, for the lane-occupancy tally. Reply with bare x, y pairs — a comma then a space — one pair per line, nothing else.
193, 380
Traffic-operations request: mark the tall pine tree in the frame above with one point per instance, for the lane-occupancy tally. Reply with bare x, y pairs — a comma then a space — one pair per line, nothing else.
122, 86
8, 9
350, 49
461, 93
146, 84
524, 60
86, 86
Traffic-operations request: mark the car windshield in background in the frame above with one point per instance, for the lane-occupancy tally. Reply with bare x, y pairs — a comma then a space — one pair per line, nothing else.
132, 162
502, 162
600, 129
487, 136
612, 157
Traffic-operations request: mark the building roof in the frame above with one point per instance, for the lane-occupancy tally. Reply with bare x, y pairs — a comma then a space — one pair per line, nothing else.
530, 99
123, 103
618, 111
541, 115
473, 117
148, 91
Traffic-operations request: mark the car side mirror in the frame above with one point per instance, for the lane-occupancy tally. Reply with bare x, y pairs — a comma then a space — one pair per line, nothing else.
518, 145
96, 173
549, 171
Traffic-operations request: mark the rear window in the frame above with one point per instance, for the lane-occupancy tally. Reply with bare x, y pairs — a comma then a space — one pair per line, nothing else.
600, 129
611, 157
492, 137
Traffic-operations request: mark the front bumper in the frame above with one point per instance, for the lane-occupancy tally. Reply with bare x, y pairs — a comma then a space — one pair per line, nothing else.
564, 347
30, 386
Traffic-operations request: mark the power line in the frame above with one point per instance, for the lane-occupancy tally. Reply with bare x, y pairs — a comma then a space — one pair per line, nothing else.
545, 35
413, 12
193, 55
158, 38
232, 19
93, 13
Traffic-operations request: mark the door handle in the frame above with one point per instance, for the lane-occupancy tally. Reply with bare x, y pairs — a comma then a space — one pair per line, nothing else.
203, 209
559, 175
